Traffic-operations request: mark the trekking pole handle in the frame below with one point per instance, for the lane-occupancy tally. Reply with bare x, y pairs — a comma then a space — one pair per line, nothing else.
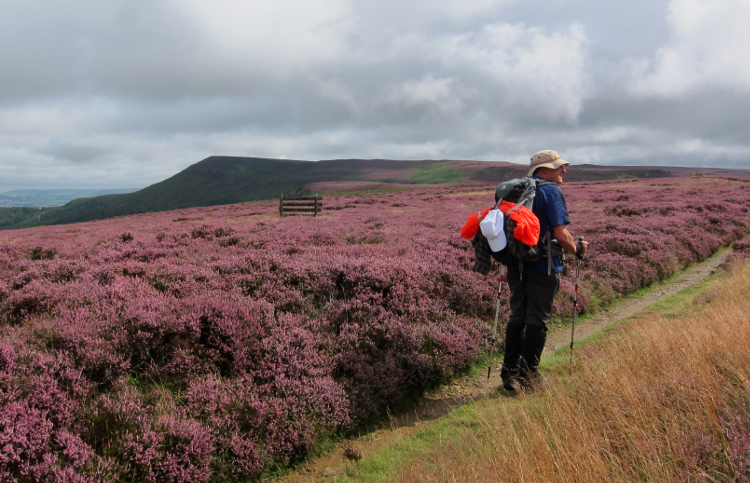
580, 249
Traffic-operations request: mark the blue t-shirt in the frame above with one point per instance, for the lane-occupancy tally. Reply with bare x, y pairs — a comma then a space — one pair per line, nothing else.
552, 210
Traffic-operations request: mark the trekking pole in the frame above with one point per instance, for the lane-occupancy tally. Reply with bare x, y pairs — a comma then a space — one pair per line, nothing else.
579, 255
497, 314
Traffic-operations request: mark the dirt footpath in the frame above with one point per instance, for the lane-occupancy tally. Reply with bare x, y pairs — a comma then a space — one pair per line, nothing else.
560, 337
467, 389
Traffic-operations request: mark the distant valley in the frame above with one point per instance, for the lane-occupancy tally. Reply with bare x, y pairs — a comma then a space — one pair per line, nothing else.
52, 198
219, 180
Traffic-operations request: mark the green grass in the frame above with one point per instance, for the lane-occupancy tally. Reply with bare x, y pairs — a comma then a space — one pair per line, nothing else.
381, 466
436, 174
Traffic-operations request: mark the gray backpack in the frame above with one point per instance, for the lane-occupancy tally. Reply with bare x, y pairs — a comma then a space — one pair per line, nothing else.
522, 192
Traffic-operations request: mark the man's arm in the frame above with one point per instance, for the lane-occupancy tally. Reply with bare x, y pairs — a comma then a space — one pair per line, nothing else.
565, 239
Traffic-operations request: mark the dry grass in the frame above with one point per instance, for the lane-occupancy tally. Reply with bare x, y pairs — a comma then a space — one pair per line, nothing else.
663, 399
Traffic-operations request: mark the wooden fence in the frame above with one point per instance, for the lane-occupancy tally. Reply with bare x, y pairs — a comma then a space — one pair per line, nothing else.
300, 205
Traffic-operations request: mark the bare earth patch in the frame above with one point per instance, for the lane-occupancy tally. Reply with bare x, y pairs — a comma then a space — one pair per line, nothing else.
468, 389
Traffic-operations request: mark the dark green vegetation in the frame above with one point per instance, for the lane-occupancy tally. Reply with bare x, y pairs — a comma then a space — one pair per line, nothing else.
436, 174
15, 216
219, 180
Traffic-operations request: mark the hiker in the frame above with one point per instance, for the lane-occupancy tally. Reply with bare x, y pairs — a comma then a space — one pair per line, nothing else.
533, 288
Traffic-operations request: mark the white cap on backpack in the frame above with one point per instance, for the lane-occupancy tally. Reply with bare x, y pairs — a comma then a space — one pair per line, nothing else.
492, 229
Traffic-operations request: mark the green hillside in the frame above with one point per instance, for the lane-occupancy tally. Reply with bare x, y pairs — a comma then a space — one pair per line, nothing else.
216, 180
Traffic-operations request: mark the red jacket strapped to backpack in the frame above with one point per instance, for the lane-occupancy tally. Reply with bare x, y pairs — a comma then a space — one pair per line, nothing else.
527, 224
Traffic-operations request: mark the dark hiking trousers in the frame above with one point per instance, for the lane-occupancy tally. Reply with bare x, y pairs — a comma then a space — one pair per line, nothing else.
531, 298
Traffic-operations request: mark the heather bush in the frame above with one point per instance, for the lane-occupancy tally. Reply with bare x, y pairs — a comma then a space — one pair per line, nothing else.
208, 344
42, 400
736, 426
740, 250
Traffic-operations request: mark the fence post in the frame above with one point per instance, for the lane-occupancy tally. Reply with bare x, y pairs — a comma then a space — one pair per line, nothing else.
316, 205
281, 205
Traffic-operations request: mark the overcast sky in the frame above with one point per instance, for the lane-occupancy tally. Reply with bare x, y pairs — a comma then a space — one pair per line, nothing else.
125, 93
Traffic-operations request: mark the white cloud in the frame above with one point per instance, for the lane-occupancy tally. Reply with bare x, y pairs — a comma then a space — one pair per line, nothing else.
499, 69
441, 97
708, 50
543, 72
273, 37
57, 117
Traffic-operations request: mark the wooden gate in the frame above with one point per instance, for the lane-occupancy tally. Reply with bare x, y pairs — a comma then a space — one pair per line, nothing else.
300, 205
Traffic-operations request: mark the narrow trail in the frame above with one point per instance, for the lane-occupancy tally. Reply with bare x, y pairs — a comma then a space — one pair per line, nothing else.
468, 389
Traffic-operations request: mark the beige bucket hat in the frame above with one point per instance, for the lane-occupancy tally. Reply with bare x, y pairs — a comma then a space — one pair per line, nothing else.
546, 159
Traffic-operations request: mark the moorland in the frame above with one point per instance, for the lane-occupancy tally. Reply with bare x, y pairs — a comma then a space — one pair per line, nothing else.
221, 343
220, 180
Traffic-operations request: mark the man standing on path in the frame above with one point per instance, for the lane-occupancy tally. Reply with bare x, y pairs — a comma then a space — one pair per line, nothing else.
533, 290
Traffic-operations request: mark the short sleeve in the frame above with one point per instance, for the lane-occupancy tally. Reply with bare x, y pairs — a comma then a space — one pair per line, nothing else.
557, 207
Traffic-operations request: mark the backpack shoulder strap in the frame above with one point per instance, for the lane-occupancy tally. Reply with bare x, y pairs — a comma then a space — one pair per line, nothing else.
547, 239
527, 198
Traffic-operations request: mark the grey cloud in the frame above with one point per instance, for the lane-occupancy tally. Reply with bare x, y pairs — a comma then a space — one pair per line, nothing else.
718, 114
75, 152
635, 28
115, 92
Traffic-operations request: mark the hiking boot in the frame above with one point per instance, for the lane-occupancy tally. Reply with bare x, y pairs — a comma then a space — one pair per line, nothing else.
530, 380
510, 382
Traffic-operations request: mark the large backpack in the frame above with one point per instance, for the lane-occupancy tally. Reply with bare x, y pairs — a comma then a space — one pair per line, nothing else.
522, 192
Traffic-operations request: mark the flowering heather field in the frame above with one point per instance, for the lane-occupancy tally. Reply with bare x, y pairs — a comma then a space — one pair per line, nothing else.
211, 344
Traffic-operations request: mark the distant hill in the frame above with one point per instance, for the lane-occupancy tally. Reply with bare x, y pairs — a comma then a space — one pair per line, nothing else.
52, 198
220, 180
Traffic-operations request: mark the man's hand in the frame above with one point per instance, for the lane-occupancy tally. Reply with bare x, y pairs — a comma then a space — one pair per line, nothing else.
581, 247
565, 239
